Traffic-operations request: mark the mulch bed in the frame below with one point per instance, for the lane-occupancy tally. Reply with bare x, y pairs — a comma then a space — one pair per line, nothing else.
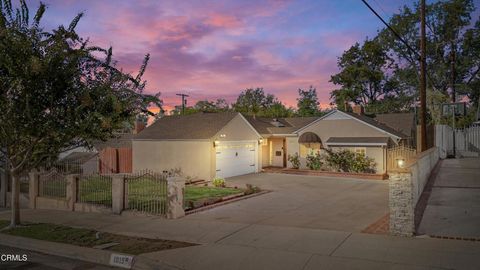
223, 201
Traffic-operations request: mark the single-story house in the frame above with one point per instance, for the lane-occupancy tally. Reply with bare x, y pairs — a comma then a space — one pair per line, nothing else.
208, 145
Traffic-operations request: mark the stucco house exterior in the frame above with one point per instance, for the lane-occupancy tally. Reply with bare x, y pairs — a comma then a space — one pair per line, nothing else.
202, 145
208, 145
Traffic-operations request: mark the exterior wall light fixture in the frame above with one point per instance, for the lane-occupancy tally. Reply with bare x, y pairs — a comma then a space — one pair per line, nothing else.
260, 141
400, 162
216, 143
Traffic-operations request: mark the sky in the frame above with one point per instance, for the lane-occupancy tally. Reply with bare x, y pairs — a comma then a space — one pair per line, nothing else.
215, 49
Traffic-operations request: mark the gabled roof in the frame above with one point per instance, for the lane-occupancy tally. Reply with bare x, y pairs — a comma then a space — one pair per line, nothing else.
80, 157
362, 118
402, 122
265, 125
186, 127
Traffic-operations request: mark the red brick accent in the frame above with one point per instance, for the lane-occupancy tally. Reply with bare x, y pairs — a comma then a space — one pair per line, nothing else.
380, 226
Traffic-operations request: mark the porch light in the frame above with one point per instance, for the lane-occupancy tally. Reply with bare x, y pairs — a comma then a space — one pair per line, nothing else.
260, 141
400, 162
223, 135
216, 143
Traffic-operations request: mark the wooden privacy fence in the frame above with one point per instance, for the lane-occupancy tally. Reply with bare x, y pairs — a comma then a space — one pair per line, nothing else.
52, 183
146, 192
95, 189
400, 152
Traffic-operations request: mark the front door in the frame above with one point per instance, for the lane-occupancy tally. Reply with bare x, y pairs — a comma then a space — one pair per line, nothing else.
277, 152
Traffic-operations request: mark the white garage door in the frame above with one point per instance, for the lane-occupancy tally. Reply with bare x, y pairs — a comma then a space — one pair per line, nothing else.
235, 158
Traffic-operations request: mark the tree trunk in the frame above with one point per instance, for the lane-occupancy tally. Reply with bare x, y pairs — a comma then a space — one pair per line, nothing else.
15, 203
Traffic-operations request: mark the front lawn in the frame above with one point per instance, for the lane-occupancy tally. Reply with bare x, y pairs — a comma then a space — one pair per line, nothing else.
90, 238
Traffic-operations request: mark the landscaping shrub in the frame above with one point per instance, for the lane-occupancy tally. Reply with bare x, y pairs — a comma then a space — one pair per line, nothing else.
348, 161
314, 161
294, 160
218, 182
251, 189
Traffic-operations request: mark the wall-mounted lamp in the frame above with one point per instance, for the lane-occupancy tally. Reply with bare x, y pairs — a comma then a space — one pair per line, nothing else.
400, 162
260, 141
216, 143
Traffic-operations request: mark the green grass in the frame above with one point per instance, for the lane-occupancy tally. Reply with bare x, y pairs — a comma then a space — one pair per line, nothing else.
198, 193
88, 238
143, 193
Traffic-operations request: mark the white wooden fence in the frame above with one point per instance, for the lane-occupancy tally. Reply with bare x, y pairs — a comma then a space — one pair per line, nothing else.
467, 140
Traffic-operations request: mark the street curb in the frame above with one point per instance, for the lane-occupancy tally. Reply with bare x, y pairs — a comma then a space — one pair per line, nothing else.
78, 253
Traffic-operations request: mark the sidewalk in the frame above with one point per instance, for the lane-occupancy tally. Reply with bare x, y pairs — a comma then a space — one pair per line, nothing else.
240, 246
453, 209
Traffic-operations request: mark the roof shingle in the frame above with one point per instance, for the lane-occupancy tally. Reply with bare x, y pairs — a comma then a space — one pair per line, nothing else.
186, 127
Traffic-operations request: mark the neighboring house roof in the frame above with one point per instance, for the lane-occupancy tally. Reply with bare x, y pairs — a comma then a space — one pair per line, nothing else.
186, 127
267, 126
78, 157
121, 140
361, 141
402, 122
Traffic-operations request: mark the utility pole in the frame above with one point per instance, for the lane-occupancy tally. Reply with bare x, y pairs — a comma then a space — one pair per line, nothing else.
453, 77
183, 102
423, 81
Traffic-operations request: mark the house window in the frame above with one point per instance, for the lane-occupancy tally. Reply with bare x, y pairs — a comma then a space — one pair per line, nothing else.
309, 149
361, 151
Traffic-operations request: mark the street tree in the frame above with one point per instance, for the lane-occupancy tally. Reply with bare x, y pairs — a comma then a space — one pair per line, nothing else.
57, 92
307, 102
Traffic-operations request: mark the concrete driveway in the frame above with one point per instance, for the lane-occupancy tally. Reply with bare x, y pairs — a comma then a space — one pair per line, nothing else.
305, 201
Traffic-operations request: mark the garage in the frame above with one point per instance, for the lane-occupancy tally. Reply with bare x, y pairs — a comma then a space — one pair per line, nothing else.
201, 146
235, 158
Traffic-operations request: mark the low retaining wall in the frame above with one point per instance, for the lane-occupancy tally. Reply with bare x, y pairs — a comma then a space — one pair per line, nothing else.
334, 174
52, 203
405, 188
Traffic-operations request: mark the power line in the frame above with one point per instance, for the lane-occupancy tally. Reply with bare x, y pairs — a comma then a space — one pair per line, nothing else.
391, 29
429, 77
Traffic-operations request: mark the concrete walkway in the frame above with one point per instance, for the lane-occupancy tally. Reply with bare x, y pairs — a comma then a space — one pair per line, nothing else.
453, 209
228, 245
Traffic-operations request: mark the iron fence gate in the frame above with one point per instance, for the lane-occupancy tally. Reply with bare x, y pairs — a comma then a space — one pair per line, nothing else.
146, 191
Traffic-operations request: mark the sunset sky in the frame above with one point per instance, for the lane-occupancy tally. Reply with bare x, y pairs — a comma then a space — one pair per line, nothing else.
215, 49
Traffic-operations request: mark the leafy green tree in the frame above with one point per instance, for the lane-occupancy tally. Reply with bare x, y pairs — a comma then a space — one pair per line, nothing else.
453, 59
363, 77
188, 110
57, 93
277, 109
253, 101
453, 55
307, 102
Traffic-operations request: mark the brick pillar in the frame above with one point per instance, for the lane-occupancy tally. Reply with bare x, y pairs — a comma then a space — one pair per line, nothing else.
72, 180
401, 203
175, 194
118, 193
32, 189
